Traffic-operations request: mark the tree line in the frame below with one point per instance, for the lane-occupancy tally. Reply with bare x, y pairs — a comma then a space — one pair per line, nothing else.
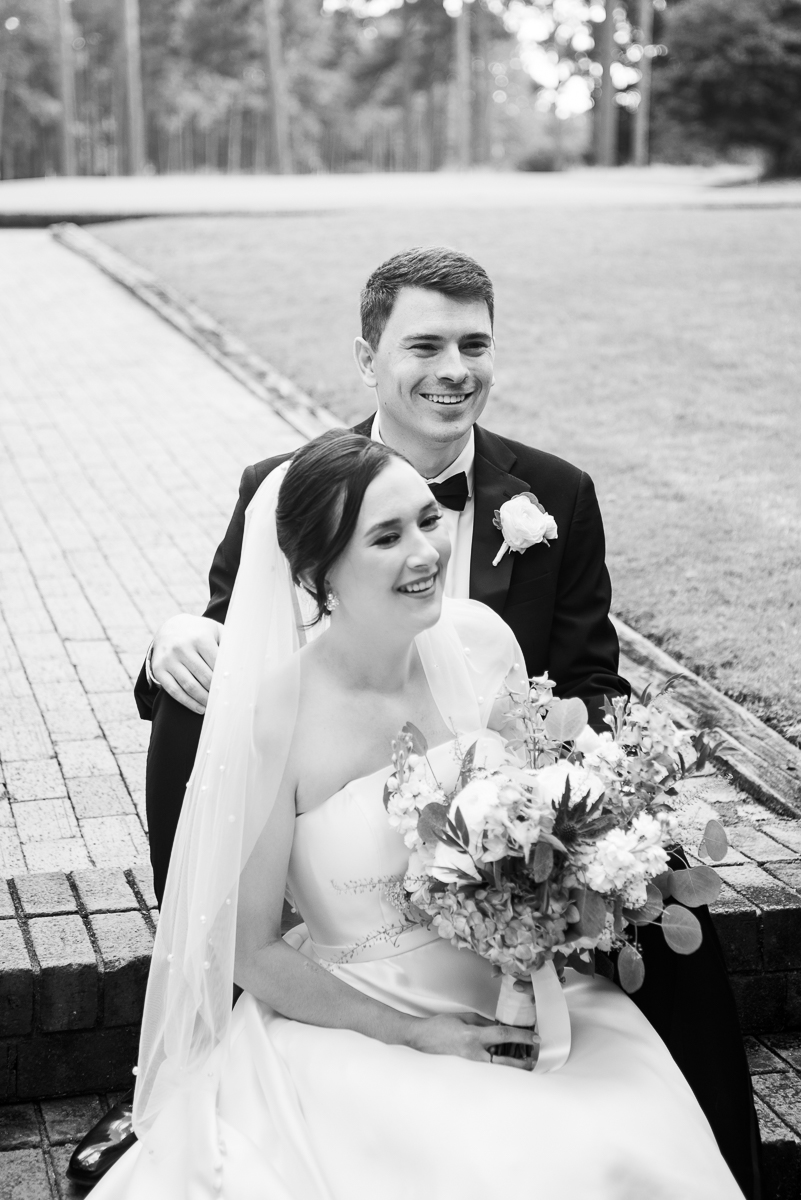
124, 86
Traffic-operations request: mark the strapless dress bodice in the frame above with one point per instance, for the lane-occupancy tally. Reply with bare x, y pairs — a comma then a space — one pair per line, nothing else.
345, 858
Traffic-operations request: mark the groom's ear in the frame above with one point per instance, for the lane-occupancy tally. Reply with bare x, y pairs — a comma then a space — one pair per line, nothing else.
363, 353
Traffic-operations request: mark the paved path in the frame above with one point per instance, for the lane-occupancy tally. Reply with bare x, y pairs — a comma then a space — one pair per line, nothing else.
81, 199
121, 448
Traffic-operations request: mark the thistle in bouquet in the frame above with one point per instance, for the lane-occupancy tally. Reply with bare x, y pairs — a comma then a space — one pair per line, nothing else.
551, 841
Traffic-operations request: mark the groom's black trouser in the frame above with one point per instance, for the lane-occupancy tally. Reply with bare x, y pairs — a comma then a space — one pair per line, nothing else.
689, 1001
174, 737
687, 998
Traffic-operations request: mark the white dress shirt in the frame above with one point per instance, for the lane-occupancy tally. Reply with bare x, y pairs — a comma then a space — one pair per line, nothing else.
458, 524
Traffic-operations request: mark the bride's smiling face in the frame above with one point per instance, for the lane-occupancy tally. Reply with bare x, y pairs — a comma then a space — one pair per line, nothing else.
392, 572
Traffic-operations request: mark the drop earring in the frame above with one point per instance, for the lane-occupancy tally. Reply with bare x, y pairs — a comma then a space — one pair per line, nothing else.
331, 600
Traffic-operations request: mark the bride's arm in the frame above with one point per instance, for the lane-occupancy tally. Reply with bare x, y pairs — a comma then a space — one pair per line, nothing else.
300, 989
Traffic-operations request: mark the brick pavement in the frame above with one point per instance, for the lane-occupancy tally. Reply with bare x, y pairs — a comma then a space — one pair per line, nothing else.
121, 448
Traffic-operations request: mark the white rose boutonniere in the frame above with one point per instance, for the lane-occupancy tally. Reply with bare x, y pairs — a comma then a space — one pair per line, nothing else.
523, 522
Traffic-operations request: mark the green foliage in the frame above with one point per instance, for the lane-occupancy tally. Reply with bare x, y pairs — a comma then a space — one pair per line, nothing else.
566, 719
592, 914
715, 843
682, 929
732, 80
695, 886
651, 910
631, 969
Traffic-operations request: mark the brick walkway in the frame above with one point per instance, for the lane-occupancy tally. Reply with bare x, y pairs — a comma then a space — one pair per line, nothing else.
121, 448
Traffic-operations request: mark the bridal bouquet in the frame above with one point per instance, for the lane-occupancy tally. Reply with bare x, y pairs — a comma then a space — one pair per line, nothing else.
552, 843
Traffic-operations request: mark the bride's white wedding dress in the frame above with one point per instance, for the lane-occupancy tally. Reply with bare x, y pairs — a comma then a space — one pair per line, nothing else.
309, 1113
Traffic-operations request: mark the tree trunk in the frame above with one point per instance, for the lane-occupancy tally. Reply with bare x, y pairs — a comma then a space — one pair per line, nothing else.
481, 78
606, 111
463, 95
235, 140
642, 116
407, 73
276, 77
4, 61
134, 105
66, 80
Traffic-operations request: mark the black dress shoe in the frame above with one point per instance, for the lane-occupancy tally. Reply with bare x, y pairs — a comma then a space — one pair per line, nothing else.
103, 1145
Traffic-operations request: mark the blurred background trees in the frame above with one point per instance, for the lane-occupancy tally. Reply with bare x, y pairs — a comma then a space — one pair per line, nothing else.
124, 86
732, 82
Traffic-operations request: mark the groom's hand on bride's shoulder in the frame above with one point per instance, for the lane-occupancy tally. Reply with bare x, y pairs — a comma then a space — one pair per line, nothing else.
183, 657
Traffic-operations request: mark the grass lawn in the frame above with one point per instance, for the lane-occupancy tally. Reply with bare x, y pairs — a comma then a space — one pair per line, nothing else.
657, 349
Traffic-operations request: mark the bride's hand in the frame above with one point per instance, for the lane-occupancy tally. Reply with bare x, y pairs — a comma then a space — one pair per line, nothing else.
468, 1037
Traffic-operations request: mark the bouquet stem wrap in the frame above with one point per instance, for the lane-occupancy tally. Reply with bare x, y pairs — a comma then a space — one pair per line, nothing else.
547, 1010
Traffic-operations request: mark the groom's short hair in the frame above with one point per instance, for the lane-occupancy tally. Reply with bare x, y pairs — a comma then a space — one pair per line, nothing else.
437, 268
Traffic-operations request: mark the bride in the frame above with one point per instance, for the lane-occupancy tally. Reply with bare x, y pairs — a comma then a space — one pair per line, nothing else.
358, 1062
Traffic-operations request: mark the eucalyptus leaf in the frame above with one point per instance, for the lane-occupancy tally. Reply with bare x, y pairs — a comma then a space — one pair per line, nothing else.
566, 719
715, 840
630, 969
419, 743
682, 929
592, 913
542, 864
696, 885
664, 883
386, 796
650, 910
432, 822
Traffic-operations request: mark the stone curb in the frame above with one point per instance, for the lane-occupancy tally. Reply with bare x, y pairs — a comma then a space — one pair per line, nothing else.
270, 386
760, 760
74, 956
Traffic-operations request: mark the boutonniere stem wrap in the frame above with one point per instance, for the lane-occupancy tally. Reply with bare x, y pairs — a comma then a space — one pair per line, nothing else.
523, 522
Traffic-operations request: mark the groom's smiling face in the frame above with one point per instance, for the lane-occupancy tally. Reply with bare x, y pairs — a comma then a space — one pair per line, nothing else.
432, 368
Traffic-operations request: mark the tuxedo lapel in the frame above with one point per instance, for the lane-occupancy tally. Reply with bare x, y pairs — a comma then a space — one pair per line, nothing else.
493, 484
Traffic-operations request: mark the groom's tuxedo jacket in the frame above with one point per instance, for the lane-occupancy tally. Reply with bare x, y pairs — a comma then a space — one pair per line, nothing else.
554, 598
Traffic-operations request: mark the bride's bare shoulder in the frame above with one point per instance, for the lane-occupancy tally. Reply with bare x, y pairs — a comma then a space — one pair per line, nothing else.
278, 703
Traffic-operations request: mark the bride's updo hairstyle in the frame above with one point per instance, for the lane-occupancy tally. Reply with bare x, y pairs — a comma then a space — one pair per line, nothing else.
319, 504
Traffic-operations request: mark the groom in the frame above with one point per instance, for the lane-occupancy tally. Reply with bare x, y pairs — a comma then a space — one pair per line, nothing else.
427, 350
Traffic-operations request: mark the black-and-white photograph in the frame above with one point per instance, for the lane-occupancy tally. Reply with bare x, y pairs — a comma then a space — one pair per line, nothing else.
400, 599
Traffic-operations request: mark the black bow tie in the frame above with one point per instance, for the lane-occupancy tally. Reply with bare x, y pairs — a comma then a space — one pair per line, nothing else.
452, 492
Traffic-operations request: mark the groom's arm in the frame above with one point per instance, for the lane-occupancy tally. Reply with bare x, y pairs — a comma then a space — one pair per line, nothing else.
584, 650
228, 555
